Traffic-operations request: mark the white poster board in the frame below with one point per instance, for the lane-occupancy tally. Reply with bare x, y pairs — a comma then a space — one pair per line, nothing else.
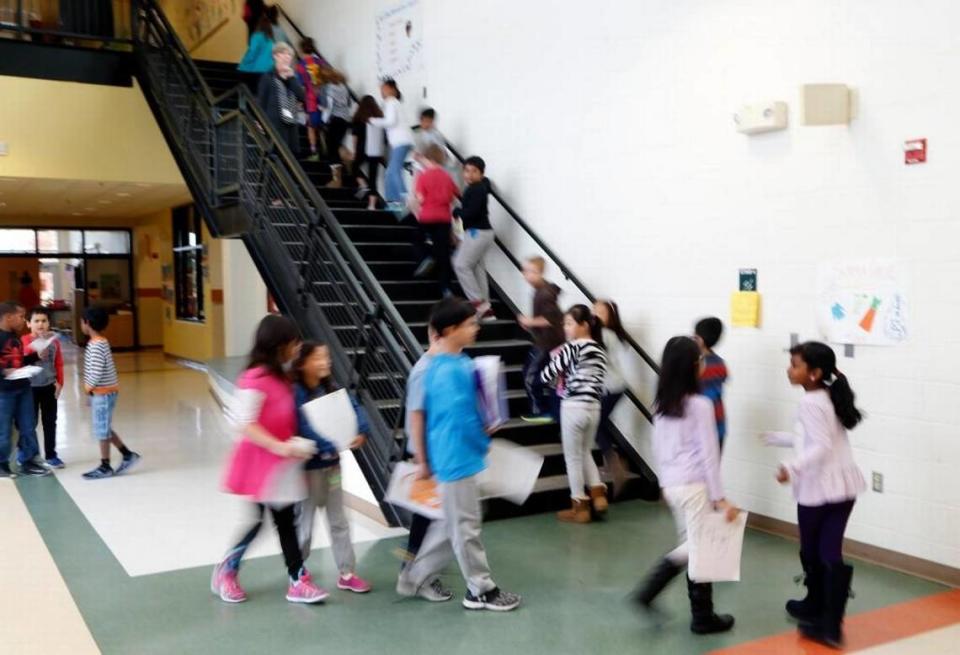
863, 302
400, 40
332, 417
716, 547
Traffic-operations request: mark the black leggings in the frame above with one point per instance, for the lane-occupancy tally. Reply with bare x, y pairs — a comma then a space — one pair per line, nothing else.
821, 530
285, 520
45, 407
439, 234
336, 130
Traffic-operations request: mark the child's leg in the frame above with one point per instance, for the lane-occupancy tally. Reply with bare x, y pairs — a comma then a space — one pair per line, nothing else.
688, 504
441, 254
461, 510
285, 520
45, 399
834, 524
465, 261
591, 474
573, 423
337, 521
432, 558
6, 424
531, 373
604, 437
810, 520
235, 554
307, 509
418, 530
24, 419
312, 137
105, 450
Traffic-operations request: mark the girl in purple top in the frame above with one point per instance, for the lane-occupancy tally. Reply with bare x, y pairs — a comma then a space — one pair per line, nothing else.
826, 482
687, 453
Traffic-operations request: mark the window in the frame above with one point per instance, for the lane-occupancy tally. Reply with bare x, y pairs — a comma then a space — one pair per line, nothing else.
106, 242
188, 263
13, 240
59, 241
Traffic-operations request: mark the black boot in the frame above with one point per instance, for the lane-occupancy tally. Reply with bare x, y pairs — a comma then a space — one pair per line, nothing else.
828, 628
810, 607
705, 621
657, 579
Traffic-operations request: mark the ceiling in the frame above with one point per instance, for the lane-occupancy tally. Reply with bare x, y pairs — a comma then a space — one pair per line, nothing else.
41, 197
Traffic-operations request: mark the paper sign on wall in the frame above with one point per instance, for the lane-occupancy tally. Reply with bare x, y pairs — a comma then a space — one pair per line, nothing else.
399, 39
862, 302
745, 309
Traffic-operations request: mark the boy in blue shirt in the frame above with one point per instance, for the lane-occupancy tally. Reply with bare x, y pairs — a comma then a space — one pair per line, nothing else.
451, 444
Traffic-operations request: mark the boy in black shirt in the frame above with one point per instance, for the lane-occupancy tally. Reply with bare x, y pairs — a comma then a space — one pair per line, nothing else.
477, 238
16, 396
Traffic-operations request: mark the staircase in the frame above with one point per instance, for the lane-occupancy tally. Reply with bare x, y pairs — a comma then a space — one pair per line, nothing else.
343, 272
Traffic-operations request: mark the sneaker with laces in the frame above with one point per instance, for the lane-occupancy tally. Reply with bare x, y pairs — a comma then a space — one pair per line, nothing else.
536, 419
34, 470
354, 583
224, 583
424, 268
5, 471
99, 473
128, 462
303, 590
494, 600
435, 592
55, 463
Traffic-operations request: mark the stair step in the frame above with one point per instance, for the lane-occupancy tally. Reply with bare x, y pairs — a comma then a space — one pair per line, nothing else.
385, 233
368, 217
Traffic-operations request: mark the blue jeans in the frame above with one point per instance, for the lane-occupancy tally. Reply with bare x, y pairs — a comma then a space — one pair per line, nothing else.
395, 189
543, 399
16, 407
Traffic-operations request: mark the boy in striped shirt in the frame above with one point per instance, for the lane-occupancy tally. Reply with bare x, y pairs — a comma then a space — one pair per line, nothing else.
101, 383
714, 373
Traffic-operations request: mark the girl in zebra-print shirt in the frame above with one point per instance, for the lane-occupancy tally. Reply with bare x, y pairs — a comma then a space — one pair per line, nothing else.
581, 363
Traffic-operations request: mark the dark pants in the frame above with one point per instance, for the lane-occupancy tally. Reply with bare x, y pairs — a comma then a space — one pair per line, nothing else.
285, 521
45, 411
336, 130
373, 166
604, 431
418, 530
821, 530
16, 408
543, 399
439, 234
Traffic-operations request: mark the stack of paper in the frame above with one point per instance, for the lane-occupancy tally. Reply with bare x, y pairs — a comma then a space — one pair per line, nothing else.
715, 548
332, 417
418, 496
491, 389
511, 472
39, 345
23, 373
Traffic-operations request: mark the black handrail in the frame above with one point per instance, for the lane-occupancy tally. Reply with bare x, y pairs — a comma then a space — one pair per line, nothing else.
564, 269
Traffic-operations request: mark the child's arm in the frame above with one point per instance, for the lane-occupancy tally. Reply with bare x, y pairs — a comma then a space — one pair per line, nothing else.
260, 436
58, 365
534, 322
389, 116
94, 362
363, 423
778, 439
558, 365
416, 430
708, 448
816, 427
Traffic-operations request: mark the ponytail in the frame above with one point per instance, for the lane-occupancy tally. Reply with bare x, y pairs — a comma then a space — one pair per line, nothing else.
820, 356
843, 398
581, 314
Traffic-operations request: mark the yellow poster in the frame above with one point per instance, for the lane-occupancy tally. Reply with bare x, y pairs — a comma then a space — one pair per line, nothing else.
745, 309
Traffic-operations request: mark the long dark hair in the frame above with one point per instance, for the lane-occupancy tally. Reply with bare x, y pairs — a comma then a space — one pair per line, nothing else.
679, 376
264, 25
581, 314
613, 320
392, 83
818, 355
307, 349
367, 108
274, 333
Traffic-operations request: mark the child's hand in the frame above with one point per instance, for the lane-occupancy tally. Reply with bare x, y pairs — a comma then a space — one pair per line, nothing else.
783, 475
729, 509
423, 472
358, 442
57, 388
525, 322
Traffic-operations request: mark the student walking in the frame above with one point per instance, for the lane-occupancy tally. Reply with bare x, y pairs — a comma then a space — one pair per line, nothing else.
313, 372
546, 326
687, 453
400, 138
826, 482
714, 373
582, 365
16, 396
478, 236
450, 444
278, 93
368, 140
435, 193
261, 457
335, 102
258, 59
310, 71
48, 384
615, 385
101, 383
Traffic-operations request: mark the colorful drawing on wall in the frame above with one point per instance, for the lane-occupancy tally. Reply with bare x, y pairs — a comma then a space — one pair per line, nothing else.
863, 302
200, 17
399, 39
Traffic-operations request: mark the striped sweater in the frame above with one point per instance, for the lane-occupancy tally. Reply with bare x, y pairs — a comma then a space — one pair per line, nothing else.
99, 371
582, 363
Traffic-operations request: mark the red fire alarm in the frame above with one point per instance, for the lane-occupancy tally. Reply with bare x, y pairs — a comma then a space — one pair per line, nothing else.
915, 151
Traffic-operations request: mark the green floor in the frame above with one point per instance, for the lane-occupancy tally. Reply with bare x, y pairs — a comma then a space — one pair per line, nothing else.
574, 580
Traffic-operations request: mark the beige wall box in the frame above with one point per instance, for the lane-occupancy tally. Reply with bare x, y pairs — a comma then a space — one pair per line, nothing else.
761, 117
825, 104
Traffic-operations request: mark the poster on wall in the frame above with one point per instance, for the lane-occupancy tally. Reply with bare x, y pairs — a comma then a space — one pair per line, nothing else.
863, 302
400, 40
200, 18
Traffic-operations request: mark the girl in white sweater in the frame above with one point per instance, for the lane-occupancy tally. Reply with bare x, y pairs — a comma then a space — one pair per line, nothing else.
826, 482
400, 138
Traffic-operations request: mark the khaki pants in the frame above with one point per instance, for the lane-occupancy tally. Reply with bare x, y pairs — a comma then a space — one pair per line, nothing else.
325, 491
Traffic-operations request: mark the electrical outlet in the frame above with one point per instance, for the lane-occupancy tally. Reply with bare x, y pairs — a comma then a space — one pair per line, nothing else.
878, 482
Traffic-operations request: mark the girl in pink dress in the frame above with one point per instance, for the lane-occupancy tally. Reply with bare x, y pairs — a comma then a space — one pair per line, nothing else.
264, 459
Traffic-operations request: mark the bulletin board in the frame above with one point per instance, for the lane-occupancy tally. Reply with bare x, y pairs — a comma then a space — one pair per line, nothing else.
863, 302
400, 39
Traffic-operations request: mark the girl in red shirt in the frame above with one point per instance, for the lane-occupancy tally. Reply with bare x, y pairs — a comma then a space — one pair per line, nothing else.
435, 193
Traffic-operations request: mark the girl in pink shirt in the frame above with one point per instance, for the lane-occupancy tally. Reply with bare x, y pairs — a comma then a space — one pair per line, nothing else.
826, 482
263, 459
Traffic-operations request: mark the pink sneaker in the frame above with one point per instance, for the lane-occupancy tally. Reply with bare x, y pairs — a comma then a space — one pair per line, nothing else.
225, 585
354, 583
304, 591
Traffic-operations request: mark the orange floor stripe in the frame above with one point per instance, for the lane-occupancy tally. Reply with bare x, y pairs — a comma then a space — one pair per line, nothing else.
866, 630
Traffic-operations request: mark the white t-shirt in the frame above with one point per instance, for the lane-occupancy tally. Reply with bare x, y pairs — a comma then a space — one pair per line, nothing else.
373, 146
395, 123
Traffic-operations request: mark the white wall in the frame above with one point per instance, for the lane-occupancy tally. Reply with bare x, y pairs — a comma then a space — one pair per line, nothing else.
610, 130
244, 298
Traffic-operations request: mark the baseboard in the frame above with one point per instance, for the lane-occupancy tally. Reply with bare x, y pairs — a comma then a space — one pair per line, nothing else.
909, 564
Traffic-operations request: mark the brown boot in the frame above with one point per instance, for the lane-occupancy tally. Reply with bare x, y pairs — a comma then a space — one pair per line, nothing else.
337, 172
598, 496
616, 470
578, 513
